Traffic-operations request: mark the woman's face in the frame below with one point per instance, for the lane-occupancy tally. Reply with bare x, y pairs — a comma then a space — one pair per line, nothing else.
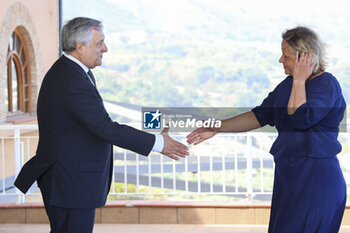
287, 58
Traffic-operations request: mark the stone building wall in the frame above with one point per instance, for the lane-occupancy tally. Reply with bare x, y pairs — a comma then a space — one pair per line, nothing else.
38, 23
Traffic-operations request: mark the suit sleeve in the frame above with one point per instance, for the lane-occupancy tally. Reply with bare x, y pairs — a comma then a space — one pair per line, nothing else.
86, 107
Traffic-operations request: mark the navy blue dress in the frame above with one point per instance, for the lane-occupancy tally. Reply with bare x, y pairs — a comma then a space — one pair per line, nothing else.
309, 192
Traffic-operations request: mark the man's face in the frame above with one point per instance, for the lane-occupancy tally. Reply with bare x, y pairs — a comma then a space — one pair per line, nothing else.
91, 54
287, 58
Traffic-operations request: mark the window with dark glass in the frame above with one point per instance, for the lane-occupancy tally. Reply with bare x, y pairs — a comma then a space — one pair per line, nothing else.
18, 79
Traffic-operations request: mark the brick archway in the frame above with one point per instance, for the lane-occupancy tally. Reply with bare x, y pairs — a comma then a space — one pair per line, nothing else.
18, 17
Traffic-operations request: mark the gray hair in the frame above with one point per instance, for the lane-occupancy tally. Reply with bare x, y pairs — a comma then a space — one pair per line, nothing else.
303, 39
78, 30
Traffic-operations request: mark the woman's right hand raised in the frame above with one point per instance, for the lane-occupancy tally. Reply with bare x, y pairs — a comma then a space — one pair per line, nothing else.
201, 134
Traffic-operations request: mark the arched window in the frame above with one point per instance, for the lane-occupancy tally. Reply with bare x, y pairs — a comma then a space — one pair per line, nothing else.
18, 78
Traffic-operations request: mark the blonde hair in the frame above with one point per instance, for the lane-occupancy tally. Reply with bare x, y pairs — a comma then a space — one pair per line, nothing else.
303, 39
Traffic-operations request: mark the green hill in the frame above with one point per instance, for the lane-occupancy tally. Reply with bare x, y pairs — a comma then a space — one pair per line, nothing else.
202, 52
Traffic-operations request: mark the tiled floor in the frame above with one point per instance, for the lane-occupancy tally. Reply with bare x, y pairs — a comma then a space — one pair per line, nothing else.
145, 228
138, 228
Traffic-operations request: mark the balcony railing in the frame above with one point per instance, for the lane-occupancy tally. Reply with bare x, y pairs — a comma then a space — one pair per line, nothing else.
228, 165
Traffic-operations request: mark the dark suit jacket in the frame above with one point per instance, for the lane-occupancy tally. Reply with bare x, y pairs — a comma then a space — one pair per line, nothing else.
76, 136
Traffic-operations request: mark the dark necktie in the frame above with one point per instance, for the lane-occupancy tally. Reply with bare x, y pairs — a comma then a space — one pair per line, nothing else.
92, 78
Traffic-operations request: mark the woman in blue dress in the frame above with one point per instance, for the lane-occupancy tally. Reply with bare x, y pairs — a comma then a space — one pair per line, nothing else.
309, 192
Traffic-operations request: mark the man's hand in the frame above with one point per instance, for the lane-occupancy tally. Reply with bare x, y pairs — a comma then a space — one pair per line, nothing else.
172, 148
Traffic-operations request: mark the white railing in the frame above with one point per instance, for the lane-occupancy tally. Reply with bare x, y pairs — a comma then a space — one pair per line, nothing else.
212, 168
227, 165
15, 150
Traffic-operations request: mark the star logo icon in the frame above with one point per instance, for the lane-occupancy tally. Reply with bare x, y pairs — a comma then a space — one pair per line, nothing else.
152, 119
156, 115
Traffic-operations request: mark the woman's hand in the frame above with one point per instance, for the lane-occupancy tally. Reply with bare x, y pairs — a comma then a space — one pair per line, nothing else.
303, 67
302, 71
199, 135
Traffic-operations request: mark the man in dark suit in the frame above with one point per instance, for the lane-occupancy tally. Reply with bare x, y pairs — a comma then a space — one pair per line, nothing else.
73, 164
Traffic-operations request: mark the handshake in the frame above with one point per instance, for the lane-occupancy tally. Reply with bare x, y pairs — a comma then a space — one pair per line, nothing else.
241, 123
174, 149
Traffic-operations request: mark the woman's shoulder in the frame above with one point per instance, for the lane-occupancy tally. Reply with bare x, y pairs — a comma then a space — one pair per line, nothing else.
285, 83
325, 79
325, 84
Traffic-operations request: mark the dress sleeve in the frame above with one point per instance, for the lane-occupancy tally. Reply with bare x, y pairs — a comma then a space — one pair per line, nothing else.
321, 97
264, 112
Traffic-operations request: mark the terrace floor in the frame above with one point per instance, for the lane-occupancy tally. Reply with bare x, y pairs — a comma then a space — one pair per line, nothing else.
140, 228
147, 228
